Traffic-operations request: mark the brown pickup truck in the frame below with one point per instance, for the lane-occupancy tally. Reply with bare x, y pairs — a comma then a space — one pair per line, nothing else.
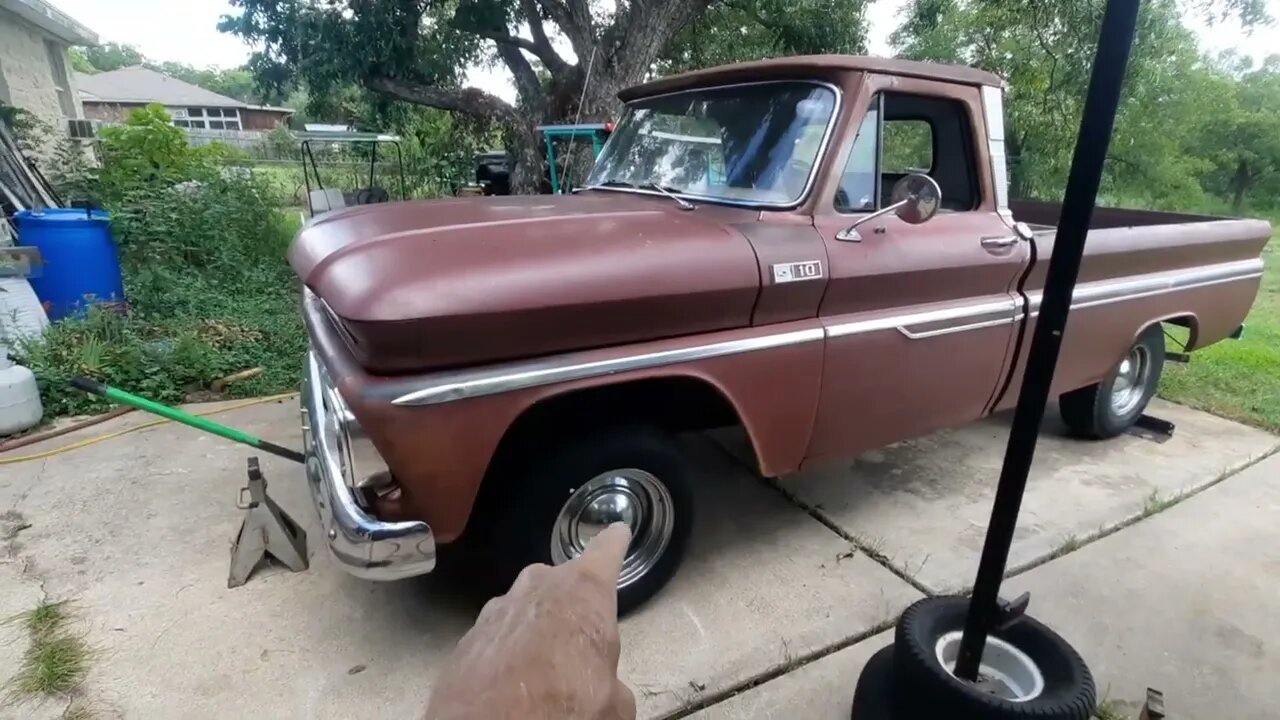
818, 249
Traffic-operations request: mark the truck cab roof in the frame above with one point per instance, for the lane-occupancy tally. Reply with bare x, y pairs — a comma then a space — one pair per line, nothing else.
807, 67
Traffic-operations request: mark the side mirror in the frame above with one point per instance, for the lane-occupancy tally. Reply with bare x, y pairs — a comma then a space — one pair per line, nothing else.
915, 199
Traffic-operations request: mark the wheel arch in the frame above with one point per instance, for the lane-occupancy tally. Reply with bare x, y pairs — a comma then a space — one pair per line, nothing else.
1188, 320
676, 402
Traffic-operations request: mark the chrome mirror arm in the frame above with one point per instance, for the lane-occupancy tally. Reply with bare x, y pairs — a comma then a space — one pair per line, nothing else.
851, 234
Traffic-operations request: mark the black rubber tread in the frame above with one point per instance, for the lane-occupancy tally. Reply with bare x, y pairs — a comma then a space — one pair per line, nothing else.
923, 688
511, 527
1087, 411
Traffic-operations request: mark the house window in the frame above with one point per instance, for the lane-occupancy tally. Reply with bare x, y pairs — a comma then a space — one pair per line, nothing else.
61, 80
206, 118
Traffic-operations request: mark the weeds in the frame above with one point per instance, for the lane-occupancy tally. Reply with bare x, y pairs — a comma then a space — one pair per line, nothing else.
1069, 544
1156, 503
56, 660
1110, 710
202, 247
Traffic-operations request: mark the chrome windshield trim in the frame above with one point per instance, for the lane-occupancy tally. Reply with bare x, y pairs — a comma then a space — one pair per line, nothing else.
526, 375
818, 158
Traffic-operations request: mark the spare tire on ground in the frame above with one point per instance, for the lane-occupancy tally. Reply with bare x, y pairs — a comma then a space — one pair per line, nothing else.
1028, 671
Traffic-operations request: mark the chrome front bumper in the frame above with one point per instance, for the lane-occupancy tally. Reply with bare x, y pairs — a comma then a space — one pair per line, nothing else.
362, 545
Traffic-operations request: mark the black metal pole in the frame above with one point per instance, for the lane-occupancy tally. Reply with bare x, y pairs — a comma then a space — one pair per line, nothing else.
1112, 57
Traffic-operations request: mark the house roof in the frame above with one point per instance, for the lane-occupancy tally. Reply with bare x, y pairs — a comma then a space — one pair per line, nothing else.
51, 20
140, 85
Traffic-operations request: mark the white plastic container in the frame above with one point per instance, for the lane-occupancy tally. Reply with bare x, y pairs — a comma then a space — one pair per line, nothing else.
20, 406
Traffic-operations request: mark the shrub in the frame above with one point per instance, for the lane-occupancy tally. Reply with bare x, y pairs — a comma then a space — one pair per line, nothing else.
202, 245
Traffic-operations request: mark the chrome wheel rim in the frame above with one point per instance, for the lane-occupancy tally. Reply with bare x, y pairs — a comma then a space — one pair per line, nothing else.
1130, 385
1004, 671
628, 495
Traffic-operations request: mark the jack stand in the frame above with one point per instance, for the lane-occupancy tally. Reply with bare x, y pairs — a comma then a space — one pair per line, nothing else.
267, 529
1155, 429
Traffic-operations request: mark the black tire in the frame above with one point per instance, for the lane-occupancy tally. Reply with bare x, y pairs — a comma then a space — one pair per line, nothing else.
1089, 411
515, 518
924, 688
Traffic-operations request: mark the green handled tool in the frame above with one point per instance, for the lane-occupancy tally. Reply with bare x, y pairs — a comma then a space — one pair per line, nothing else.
117, 395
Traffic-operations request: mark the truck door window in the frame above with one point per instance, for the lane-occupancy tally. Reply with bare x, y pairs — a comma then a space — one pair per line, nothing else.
901, 134
908, 147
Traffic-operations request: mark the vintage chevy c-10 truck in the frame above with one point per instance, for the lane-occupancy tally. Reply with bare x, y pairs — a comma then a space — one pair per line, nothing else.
820, 249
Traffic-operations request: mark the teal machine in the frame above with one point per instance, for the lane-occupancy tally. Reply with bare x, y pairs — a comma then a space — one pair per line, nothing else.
596, 133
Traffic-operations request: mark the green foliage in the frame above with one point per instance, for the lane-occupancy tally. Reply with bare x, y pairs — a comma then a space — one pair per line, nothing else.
741, 30
1178, 133
202, 245
110, 56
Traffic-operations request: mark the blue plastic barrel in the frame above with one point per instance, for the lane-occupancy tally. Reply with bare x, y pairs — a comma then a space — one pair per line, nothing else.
81, 266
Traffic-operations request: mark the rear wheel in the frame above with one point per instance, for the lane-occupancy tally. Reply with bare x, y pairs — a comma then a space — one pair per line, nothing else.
546, 510
1108, 408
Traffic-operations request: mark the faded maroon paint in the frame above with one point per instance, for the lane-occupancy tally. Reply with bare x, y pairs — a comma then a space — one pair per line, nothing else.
455, 281
1127, 244
881, 386
838, 68
440, 453
481, 279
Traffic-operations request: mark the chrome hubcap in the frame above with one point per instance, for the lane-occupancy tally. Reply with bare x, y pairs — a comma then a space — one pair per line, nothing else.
627, 495
1004, 671
1130, 384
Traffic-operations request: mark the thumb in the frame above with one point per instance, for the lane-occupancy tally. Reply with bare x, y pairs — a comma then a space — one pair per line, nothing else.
603, 556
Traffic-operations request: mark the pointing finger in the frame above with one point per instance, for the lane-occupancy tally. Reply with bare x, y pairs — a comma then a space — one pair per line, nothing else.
603, 556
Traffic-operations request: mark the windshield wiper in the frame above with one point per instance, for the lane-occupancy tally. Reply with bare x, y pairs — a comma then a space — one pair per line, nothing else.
684, 204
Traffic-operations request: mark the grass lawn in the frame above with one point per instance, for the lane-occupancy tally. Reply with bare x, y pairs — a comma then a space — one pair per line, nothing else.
1239, 379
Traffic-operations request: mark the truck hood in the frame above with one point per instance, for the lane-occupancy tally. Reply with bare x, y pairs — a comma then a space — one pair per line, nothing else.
438, 283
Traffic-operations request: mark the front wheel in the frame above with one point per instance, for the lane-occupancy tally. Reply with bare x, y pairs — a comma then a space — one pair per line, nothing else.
1110, 407
547, 510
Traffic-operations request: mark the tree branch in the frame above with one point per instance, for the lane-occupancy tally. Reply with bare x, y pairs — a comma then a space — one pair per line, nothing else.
509, 40
468, 101
527, 84
573, 24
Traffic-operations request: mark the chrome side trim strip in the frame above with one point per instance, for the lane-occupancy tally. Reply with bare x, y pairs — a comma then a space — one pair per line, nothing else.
1108, 291
521, 376
904, 322
918, 325
921, 334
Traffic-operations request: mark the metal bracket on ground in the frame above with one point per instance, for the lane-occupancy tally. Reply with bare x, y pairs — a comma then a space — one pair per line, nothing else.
266, 530
1151, 428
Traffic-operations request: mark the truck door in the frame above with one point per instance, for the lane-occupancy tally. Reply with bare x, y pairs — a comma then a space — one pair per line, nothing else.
920, 318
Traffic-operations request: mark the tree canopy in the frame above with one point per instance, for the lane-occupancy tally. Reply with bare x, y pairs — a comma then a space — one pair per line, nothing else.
419, 50
1188, 125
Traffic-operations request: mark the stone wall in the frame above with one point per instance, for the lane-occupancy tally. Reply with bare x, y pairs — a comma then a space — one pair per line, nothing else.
28, 81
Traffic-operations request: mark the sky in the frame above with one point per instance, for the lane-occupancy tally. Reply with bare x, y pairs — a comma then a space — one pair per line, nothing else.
186, 31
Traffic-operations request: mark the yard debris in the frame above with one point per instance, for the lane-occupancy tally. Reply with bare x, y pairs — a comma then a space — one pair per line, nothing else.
221, 383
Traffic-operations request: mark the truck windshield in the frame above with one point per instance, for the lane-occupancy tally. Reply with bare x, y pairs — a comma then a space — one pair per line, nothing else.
747, 144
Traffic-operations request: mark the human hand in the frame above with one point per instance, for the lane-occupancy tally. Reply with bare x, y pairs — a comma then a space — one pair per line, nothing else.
548, 648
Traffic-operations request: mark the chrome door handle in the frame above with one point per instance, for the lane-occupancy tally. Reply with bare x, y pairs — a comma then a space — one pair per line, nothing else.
999, 243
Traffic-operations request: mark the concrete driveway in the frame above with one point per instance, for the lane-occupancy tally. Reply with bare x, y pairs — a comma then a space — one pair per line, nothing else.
782, 575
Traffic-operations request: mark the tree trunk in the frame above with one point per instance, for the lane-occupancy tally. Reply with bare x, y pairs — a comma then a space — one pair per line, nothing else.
1239, 184
525, 159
